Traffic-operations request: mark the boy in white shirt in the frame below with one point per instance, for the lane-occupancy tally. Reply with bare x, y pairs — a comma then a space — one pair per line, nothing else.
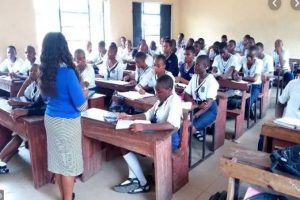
232, 50
12, 64
122, 46
144, 48
112, 69
102, 54
202, 91
268, 63
30, 60
213, 51
90, 55
128, 53
163, 116
86, 71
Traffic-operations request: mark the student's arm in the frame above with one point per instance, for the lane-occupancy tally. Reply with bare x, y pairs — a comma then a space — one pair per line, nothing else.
188, 98
203, 107
26, 83
182, 80
229, 73
251, 78
281, 57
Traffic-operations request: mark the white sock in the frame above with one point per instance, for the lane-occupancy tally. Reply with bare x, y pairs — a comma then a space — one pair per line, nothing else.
131, 174
2, 164
135, 167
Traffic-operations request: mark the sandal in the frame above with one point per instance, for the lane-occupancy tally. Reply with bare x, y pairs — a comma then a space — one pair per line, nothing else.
141, 189
4, 170
199, 136
127, 186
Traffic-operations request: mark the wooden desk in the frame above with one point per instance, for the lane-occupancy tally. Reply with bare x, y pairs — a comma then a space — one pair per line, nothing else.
33, 129
156, 146
276, 137
12, 86
96, 101
253, 167
101, 83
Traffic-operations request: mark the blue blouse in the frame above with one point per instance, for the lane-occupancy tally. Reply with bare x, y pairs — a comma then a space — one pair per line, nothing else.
69, 96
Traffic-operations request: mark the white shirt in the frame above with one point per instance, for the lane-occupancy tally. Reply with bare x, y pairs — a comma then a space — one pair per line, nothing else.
113, 73
150, 79
32, 91
291, 96
149, 60
121, 51
91, 57
286, 58
256, 68
224, 66
212, 54
127, 55
207, 89
268, 64
8, 66
27, 66
240, 47
88, 75
141, 74
167, 112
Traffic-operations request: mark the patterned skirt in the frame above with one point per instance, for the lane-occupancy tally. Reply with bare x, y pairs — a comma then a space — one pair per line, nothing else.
64, 145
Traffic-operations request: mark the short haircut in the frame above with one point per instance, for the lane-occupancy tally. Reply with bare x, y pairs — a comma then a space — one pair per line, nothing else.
224, 37
168, 41
12, 47
101, 44
166, 82
252, 50
232, 41
204, 58
252, 39
77, 52
259, 44
113, 46
201, 40
30, 48
223, 45
181, 35
247, 36
190, 48
161, 57
141, 55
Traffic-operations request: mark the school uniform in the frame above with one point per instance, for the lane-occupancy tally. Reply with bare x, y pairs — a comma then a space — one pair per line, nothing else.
207, 89
121, 51
291, 96
172, 64
32, 92
212, 54
88, 75
8, 66
167, 112
180, 55
288, 75
91, 57
128, 55
26, 67
150, 79
149, 60
268, 64
100, 59
186, 73
240, 47
113, 73
224, 66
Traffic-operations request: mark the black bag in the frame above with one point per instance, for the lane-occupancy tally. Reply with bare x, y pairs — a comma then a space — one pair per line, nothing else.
267, 196
287, 160
219, 196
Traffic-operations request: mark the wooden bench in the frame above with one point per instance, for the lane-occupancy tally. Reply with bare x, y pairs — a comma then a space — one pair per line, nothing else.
253, 167
12, 86
32, 128
277, 137
96, 101
237, 114
156, 146
263, 97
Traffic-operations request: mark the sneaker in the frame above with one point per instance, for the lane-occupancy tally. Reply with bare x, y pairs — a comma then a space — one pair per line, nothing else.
141, 189
127, 186
199, 135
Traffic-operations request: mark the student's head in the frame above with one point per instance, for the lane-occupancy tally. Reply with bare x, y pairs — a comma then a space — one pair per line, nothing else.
202, 43
101, 46
11, 52
224, 38
89, 46
164, 87
197, 47
112, 51
167, 46
246, 39
260, 49
162, 39
159, 64
189, 54
278, 44
55, 51
34, 72
174, 46
202, 64
224, 50
231, 46
123, 41
153, 46
128, 44
143, 47
251, 55
30, 53
216, 47
251, 42
190, 42
140, 59
79, 59
180, 37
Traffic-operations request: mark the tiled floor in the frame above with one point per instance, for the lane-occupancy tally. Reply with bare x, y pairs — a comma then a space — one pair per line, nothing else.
204, 180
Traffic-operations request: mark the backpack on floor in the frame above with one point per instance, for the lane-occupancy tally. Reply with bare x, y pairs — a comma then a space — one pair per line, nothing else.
267, 196
287, 160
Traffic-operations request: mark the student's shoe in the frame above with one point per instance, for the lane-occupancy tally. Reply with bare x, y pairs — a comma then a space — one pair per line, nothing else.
141, 189
4, 170
127, 186
199, 136
73, 196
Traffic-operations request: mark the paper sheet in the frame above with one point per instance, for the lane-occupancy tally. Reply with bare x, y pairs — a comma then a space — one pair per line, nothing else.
125, 124
288, 122
133, 95
113, 81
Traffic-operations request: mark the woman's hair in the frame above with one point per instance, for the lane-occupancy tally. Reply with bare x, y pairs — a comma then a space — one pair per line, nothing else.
55, 52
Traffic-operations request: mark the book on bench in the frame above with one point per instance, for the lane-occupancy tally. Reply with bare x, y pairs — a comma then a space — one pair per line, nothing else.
287, 122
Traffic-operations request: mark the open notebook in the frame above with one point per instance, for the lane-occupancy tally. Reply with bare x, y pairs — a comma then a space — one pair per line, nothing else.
288, 122
124, 124
133, 95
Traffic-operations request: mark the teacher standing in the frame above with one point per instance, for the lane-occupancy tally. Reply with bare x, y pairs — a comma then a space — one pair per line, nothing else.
60, 83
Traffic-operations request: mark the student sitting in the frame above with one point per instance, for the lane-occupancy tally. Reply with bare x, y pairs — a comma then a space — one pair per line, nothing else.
268, 63
112, 69
232, 50
186, 70
90, 55
153, 49
225, 63
224, 39
281, 62
163, 116
149, 81
190, 42
202, 92
252, 68
12, 64
127, 56
213, 51
122, 46
29, 61
202, 50
102, 54
144, 48
86, 71
171, 58
180, 41
241, 46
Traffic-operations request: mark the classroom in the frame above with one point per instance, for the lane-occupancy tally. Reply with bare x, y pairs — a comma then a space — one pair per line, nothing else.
150, 99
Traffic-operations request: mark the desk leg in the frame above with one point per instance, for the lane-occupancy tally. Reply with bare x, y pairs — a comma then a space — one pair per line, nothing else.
92, 157
38, 154
163, 170
5, 137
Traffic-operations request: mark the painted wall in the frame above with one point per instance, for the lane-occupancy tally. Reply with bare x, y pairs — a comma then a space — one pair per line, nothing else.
212, 18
